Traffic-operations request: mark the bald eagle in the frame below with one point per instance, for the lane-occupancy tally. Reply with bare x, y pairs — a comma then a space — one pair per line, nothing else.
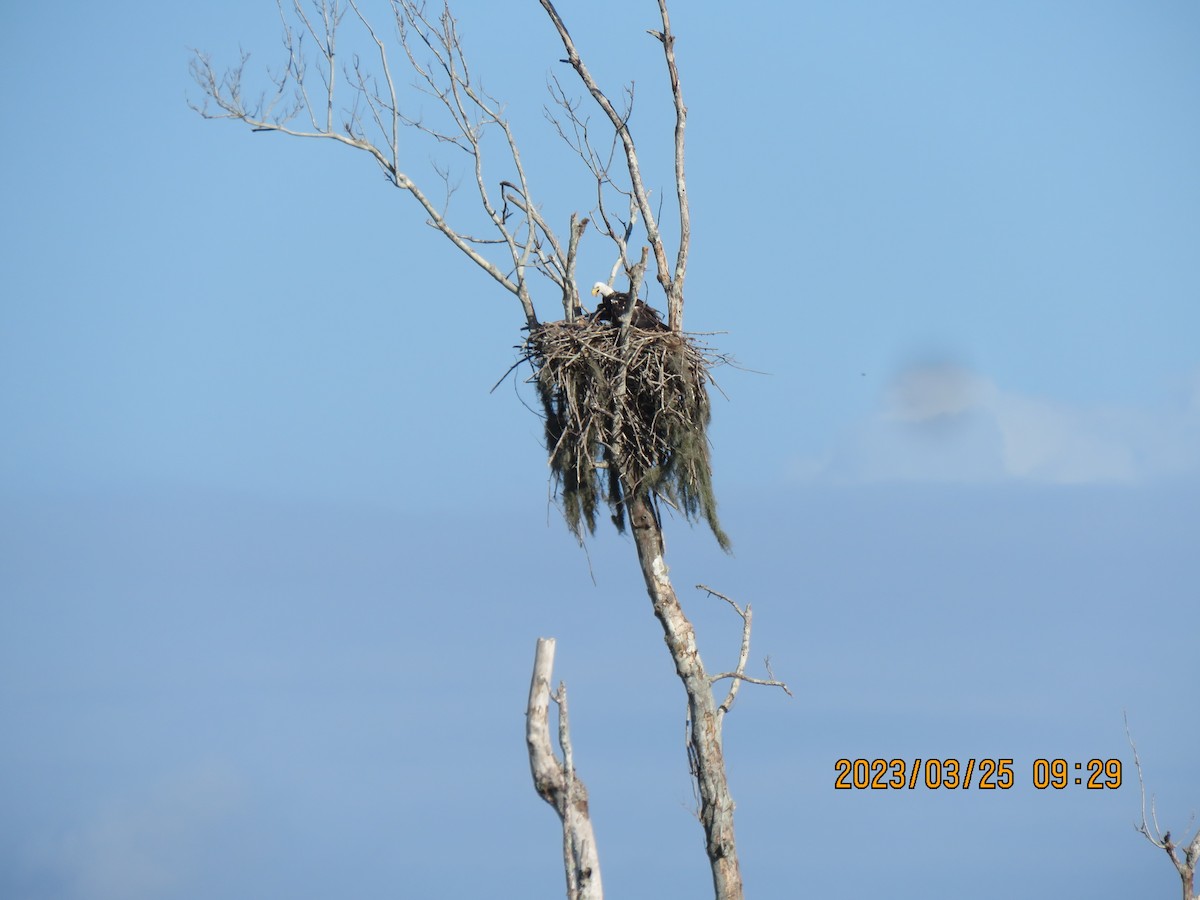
613, 305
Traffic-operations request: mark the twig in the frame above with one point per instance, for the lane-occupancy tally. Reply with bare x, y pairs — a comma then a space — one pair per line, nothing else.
739, 675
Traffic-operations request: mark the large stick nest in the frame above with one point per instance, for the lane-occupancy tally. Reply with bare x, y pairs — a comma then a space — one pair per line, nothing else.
627, 410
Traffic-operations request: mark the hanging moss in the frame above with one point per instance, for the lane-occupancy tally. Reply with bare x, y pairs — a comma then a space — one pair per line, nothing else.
625, 412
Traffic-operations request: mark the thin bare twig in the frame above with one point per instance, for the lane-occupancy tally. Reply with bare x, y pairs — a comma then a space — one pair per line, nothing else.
739, 675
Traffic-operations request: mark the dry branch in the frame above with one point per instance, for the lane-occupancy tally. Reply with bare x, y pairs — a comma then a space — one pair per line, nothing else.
445, 76
739, 675
670, 279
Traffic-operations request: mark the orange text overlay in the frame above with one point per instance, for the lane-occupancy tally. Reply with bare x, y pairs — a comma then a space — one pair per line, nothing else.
982, 774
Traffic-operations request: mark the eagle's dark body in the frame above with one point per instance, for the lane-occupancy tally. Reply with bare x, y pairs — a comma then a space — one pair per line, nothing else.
614, 304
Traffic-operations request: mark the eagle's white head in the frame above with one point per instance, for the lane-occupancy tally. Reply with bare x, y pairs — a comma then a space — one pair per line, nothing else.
602, 290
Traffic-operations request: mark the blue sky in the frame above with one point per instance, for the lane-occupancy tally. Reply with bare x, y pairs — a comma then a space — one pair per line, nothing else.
273, 560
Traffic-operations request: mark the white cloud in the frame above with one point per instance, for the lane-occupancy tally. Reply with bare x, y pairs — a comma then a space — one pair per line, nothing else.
1046, 442
942, 422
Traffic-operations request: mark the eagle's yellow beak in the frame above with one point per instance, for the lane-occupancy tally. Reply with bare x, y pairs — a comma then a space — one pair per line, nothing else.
595, 290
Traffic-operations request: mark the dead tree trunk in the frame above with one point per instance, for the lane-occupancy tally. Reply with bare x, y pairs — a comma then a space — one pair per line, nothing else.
556, 781
704, 721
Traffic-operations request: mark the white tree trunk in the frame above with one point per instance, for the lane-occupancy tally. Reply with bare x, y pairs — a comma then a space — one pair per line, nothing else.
556, 781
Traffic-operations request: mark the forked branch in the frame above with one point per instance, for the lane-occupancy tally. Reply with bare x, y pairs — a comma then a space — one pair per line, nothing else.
739, 675
371, 120
671, 280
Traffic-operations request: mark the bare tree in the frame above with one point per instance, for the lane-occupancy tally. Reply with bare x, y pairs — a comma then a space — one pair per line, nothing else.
1184, 856
626, 405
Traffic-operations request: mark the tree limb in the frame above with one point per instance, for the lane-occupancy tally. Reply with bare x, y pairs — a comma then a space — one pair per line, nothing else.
449, 81
739, 675
675, 294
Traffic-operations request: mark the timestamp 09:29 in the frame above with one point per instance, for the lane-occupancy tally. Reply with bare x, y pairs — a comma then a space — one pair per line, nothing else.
982, 774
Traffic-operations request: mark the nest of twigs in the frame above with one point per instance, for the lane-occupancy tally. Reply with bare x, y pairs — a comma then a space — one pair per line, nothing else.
626, 411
